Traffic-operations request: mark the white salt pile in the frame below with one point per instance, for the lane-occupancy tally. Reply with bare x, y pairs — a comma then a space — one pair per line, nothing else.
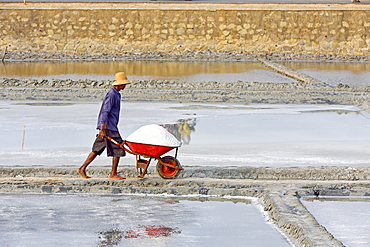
154, 135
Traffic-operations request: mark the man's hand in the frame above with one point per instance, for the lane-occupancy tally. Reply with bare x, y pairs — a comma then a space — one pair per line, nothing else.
102, 131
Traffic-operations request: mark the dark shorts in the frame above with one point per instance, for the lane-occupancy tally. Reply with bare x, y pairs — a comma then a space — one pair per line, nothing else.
112, 149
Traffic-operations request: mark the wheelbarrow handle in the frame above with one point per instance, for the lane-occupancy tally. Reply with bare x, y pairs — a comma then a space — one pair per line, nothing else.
115, 142
119, 145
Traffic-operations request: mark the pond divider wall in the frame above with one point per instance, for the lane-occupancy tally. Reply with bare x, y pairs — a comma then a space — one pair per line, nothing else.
336, 29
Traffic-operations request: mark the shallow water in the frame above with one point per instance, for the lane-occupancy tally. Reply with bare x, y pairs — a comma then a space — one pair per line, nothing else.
332, 73
144, 70
348, 219
212, 135
357, 74
93, 220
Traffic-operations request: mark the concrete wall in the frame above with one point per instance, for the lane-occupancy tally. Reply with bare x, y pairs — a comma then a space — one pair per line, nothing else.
173, 28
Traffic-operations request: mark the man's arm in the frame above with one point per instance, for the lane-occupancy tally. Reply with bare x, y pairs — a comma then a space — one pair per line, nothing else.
103, 116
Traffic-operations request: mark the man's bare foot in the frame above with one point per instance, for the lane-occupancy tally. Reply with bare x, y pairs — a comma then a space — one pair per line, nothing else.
116, 177
82, 173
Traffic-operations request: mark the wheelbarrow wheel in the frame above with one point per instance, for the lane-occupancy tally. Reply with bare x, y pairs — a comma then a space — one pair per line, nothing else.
167, 172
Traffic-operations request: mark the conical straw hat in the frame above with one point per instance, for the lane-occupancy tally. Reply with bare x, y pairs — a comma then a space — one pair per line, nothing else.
120, 79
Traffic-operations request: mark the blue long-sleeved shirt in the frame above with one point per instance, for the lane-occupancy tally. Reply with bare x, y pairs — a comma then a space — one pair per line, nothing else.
109, 111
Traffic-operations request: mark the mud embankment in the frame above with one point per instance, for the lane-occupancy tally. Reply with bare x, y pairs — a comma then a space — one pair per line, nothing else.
247, 172
170, 91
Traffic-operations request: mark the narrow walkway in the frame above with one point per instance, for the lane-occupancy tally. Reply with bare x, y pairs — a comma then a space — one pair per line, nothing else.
281, 69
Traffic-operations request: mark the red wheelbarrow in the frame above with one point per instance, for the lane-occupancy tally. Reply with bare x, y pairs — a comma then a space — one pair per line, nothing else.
168, 167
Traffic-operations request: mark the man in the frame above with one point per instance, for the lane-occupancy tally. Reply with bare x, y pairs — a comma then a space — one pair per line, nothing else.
107, 126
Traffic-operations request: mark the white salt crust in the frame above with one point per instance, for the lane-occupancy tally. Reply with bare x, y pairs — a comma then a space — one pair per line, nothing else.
154, 135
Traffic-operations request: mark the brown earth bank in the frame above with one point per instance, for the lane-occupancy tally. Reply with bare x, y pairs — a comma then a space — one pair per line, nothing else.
187, 92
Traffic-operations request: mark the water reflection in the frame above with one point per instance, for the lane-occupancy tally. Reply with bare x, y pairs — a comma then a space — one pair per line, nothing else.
114, 237
124, 220
330, 66
194, 71
182, 129
350, 73
143, 68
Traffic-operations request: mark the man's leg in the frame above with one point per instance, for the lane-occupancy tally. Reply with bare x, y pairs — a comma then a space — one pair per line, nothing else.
82, 169
113, 174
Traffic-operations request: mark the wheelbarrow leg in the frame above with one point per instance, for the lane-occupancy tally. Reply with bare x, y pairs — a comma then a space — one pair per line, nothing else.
141, 166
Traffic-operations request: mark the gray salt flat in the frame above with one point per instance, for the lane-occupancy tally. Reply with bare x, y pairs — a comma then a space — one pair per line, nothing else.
217, 135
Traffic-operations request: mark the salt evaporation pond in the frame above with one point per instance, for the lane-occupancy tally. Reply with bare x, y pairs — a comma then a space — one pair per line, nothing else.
348, 219
144, 70
333, 73
212, 135
95, 220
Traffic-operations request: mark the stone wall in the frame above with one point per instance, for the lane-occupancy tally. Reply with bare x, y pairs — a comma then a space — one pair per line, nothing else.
175, 28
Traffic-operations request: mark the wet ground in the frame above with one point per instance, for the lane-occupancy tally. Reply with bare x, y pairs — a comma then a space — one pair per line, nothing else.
93, 220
